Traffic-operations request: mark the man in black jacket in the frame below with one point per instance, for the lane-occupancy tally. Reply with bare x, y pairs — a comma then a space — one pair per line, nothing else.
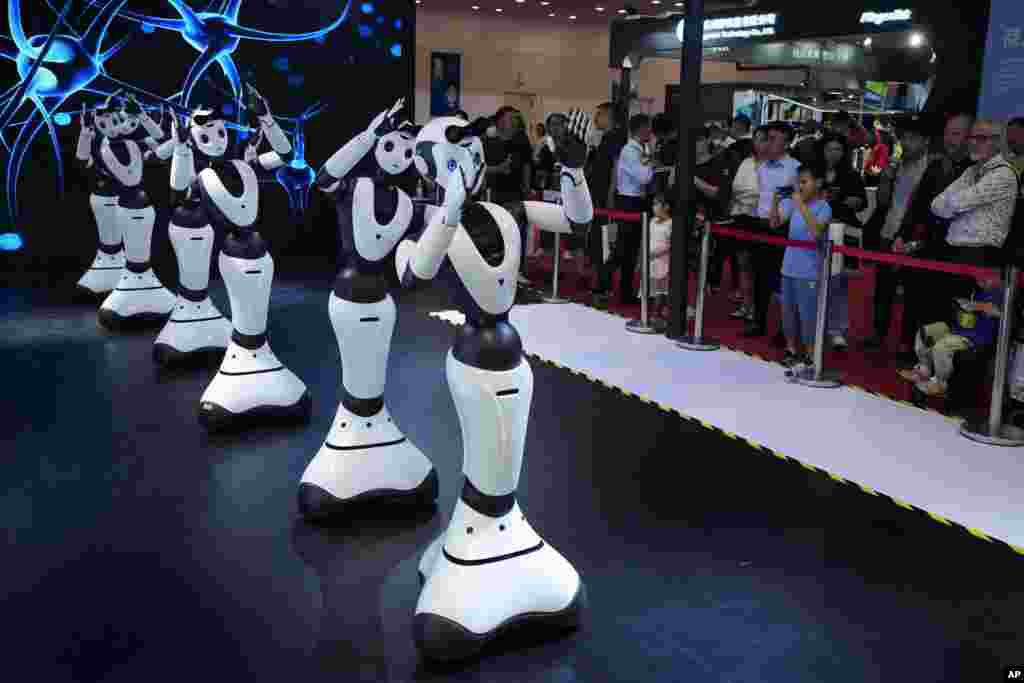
600, 174
924, 235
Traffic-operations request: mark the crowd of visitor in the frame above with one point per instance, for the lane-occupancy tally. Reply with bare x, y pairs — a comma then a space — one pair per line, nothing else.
942, 188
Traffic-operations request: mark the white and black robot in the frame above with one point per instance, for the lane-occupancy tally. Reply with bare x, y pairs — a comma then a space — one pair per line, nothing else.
123, 214
490, 569
365, 456
251, 384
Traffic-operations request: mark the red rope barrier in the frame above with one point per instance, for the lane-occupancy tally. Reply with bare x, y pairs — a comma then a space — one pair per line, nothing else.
877, 256
925, 264
767, 239
627, 216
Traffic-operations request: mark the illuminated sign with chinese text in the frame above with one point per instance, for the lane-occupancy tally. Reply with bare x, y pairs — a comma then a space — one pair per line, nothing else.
879, 18
727, 28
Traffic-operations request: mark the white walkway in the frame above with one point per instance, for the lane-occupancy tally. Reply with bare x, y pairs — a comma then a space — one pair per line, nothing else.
909, 454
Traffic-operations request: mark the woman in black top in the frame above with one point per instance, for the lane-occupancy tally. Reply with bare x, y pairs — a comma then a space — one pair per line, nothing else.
844, 191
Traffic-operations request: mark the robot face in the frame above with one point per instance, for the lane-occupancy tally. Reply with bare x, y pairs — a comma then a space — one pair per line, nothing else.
394, 152
128, 124
437, 158
106, 126
210, 137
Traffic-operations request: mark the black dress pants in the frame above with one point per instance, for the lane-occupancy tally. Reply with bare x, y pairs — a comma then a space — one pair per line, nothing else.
767, 264
627, 246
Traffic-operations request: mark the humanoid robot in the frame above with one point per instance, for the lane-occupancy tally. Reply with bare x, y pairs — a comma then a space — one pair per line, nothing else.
365, 455
107, 152
224, 194
490, 569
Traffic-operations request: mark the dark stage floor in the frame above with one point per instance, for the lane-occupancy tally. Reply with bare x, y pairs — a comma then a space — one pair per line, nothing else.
139, 549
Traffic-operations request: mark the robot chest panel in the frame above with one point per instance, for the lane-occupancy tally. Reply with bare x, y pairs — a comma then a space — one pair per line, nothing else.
380, 218
223, 206
121, 161
485, 256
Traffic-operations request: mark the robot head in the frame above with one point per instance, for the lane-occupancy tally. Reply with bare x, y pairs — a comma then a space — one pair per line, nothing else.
394, 151
107, 122
209, 134
448, 143
127, 124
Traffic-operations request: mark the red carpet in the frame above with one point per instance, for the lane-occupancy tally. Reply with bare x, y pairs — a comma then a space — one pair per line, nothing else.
871, 370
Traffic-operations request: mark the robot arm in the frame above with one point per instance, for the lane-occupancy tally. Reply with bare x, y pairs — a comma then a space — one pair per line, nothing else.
345, 159
577, 206
269, 129
83, 151
183, 166
422, 259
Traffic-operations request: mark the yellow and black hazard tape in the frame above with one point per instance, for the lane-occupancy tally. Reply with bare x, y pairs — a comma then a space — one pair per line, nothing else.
755, 356
765, 450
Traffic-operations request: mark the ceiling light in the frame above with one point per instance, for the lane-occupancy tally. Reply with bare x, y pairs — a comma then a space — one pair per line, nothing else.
545, 4
622, 11
916, 39
679, 4
475, 7
572, 16
520, 1
552, 14
867, 42
599, 9
655, 2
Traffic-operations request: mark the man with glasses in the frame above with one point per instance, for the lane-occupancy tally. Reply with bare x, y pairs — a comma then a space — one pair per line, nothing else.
980, 203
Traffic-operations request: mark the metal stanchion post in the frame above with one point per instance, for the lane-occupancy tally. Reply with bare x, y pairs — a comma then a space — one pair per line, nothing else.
817, 376
643, 325
994, 432
554, 298
697, 342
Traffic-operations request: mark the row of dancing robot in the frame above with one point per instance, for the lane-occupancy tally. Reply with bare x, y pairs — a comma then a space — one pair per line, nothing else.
210, 193
474, 247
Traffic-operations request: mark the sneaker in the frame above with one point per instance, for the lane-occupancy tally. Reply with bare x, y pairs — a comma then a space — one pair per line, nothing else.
916, 375
839, 343
802, 365
742, 313
932, 387
791, 359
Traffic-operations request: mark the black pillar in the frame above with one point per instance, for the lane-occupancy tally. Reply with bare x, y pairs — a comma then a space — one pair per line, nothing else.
691, 115
625, 88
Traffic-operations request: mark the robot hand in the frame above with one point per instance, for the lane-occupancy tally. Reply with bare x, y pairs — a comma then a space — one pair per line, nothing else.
571, 143
386, 120
179, 130
87, 119
132, 106
455, 198
255, 102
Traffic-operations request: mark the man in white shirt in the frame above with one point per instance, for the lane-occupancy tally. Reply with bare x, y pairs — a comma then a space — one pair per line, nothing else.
634, 174
777, 171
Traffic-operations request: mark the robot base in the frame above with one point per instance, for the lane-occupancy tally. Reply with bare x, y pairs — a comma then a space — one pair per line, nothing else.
196, 330
363, 460
102, 276
444, 640
317, 505
464, 604
253, 387
139, 300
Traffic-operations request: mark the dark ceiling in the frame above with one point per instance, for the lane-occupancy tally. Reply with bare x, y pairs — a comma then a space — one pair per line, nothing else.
585, 11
